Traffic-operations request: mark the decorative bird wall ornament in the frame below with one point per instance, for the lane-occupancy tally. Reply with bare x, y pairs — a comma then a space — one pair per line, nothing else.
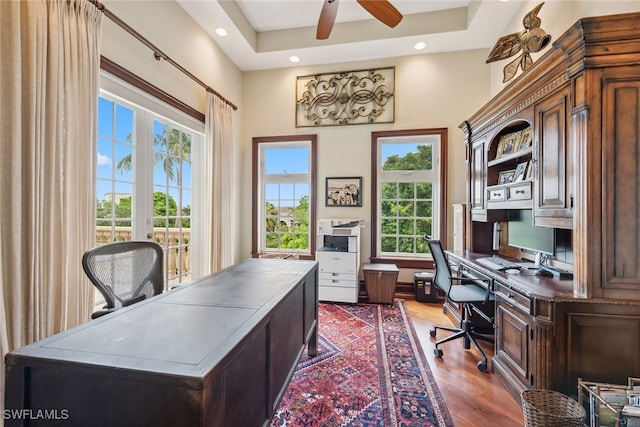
531, 39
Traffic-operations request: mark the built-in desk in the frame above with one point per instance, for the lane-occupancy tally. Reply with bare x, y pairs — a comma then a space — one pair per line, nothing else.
216, 352
545, 337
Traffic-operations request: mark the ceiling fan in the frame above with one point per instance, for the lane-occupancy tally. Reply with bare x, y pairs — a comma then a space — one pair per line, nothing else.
382, 10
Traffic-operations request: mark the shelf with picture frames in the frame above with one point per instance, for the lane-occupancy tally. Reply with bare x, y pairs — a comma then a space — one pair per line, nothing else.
509, 170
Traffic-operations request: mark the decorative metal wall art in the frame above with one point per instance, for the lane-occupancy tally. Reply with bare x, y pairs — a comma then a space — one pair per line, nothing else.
531, 39
353, 97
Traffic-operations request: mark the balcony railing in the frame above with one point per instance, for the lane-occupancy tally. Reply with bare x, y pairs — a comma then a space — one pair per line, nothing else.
177, 262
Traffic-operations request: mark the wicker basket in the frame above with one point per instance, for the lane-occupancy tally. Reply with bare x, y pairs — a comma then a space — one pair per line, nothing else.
548, 408
380, 282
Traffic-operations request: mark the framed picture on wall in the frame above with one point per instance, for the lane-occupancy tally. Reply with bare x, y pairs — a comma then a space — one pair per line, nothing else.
344, 192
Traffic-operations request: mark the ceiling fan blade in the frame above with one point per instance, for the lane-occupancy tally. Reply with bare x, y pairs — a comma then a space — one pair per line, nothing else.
327, 18
383, 11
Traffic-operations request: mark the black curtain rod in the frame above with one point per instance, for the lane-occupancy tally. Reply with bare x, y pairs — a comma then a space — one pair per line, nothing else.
157, 53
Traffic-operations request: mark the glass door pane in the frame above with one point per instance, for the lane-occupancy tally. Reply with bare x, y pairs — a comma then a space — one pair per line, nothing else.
172, 189
114, 172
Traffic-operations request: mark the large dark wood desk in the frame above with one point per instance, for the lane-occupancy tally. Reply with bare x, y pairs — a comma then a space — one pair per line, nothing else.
547, 337
216, 352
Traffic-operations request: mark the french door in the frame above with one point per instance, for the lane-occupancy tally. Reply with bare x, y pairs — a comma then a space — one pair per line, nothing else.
144, 176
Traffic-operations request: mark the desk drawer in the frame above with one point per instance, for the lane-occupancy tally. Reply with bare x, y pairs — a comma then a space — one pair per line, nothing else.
497, 195
513, 298
521, 191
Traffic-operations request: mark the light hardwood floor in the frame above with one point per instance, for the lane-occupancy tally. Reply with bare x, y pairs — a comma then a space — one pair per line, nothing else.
474, 399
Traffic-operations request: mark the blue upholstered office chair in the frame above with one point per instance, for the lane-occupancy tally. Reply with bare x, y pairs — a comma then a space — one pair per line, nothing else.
473, 298
124, 272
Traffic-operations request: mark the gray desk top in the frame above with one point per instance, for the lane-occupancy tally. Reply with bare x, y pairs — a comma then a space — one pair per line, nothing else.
184, 331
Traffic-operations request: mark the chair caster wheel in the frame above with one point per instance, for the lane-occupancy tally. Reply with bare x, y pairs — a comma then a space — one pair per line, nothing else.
432, 332
482, 366
437, 352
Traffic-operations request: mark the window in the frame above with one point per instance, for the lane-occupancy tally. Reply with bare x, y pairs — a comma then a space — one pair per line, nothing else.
144, 174
408, 191
284, 195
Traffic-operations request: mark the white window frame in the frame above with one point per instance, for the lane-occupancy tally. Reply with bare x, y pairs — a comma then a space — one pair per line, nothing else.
261, 180
435, 137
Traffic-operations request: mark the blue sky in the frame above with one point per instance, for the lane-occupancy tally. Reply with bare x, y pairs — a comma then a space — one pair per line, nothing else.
286, 160
399, 149
114, 130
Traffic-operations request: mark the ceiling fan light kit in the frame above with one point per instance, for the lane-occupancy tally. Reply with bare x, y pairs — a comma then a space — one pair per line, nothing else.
382, 10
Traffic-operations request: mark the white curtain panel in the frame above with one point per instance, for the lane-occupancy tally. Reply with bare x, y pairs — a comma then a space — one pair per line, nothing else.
49, 82
218, 187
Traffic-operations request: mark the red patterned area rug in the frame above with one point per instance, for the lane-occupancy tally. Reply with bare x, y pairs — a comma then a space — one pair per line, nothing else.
369, 371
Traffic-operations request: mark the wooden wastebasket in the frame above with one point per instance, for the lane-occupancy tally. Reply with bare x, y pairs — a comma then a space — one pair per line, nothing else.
380, 281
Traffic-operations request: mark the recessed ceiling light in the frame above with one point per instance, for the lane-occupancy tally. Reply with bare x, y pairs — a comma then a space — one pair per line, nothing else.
420, 46
294, 59
221, 32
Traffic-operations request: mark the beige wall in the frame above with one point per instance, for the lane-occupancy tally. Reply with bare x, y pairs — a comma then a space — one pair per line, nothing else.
439, 90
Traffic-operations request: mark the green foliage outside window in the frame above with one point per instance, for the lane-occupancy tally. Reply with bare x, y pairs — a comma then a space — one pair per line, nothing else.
162, 207
288, 228
407, 207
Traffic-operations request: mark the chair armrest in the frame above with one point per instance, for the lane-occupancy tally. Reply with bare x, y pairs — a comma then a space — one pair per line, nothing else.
133, 300
101, 312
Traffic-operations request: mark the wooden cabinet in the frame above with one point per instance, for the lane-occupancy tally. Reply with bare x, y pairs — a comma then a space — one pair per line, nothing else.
553, 163
621, 181
513, 346
477, 182
582, 101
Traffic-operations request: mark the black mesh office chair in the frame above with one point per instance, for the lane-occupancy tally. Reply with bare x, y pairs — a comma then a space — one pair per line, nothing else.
473, 299
124, 272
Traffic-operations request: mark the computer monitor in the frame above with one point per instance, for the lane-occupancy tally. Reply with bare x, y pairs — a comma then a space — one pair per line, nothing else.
524, 235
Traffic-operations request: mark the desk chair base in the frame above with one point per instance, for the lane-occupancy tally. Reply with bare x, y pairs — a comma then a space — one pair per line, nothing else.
469, 336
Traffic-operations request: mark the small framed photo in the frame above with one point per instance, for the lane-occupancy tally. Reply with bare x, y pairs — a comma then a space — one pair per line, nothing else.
529, 171
521, 172
344, 192
525, 140
506, 177
508, 143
